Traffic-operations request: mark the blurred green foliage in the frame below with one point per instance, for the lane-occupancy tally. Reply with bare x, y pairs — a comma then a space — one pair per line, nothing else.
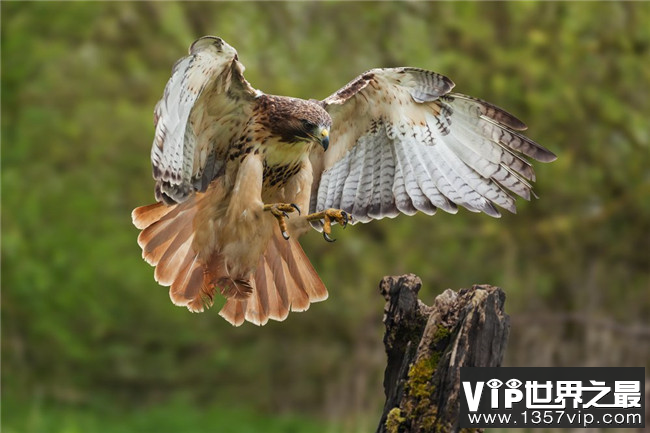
173, 416
91, 342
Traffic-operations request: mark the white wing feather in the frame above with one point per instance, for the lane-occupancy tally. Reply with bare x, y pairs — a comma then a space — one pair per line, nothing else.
204, 106
403, 143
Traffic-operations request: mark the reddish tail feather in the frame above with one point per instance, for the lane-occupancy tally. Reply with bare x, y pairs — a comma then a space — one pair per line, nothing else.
283, 281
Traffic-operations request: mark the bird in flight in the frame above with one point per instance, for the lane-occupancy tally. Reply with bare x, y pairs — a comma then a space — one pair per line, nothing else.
240, 175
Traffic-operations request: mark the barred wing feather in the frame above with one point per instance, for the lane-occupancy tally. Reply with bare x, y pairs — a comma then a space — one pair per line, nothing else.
204, 107
402, 143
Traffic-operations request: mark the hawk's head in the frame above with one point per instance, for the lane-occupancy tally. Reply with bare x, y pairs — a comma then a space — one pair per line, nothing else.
297, 122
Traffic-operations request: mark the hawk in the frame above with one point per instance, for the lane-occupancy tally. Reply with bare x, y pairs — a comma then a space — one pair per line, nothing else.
240, 175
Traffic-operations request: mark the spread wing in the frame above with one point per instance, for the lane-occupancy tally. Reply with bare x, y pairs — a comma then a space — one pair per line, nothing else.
204, 108
401, 142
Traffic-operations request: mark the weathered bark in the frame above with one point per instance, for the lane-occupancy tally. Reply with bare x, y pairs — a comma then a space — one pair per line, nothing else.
426, 346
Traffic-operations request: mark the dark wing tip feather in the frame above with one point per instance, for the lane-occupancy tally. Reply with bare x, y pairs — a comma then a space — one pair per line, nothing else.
505, 118
533, 149
544, 155
494, 112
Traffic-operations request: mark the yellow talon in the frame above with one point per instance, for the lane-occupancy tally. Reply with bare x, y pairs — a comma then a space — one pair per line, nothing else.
280, 212
329, 215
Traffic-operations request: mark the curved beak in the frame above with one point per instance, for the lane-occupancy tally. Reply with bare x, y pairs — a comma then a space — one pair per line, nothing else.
325, 138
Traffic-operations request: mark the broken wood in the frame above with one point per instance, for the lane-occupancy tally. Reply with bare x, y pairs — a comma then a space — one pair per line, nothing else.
426, 347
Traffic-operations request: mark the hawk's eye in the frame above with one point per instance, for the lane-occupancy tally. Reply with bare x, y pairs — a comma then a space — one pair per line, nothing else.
307, 125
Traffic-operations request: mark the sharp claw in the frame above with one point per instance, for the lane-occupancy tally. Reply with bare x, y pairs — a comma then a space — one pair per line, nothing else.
286, 215
295, 206
345, 219
285, 235
328, 238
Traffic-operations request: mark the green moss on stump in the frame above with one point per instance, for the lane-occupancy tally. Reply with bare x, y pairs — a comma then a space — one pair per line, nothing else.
394, 420
419, 390
441, 334
419, 387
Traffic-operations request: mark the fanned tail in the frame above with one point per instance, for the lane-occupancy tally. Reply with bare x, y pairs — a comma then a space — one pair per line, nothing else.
284, 281
167, 243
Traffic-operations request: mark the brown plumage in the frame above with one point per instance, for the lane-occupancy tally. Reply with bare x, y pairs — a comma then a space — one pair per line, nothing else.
230, 164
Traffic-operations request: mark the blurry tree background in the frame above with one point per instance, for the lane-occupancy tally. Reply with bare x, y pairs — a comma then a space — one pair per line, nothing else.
91, 343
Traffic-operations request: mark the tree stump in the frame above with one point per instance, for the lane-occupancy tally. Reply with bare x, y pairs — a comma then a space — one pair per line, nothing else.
426, 346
